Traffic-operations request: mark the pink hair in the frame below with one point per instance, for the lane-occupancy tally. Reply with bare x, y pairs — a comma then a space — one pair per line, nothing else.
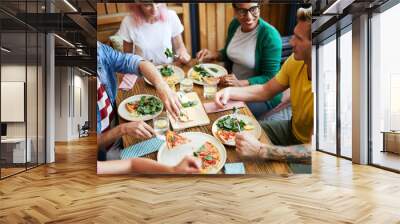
138, 16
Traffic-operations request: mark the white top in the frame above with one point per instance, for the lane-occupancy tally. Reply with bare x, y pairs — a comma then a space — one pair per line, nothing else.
241, 51
153, 38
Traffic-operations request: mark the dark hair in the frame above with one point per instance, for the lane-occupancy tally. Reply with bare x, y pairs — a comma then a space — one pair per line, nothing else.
234, 4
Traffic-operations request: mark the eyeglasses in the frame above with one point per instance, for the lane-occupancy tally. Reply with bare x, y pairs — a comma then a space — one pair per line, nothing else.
254, 11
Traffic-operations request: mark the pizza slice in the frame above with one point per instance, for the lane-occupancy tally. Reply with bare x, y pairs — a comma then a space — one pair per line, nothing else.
174, 139
226, 136
131, 107
209, 156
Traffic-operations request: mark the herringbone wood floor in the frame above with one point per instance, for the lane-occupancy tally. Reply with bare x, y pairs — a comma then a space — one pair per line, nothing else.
69, 191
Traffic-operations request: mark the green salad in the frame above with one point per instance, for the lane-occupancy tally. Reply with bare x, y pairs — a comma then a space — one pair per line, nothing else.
213, 69
231, 124
202, 72
166, 71
148, 105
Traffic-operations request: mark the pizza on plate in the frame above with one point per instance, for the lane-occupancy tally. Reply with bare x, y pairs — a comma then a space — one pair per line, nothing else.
131, 107
209, 156
174, 139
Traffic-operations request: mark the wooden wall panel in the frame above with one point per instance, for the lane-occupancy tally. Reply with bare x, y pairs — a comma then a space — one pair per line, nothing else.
203, 25
221, 29
187, 34
111, 8
92, 102
213, 34
211, 27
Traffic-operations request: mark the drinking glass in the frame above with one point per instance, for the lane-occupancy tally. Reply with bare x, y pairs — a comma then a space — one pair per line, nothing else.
161, 125
186, 85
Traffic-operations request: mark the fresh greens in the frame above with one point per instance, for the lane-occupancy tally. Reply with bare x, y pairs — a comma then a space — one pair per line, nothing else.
229, 123
189, 104
213, 69
169, 53
166, 71
148, 105
197, 153
202, 72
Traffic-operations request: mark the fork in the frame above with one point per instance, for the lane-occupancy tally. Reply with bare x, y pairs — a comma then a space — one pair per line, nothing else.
235, 113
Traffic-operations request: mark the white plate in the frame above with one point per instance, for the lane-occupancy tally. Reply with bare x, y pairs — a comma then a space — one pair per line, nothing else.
127, 116
221, 72
177, 71
256, 131
172, 157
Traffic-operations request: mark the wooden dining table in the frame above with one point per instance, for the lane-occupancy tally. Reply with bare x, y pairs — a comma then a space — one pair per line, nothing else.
251, 166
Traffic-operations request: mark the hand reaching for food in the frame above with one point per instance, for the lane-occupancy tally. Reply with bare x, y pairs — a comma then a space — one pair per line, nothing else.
206, 55
170, 100
187, 165
183, 58
231, 80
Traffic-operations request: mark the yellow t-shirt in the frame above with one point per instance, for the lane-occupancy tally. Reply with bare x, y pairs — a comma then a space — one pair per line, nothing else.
294, 74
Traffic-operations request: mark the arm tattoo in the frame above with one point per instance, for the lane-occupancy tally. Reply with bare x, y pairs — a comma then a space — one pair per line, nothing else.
288, 153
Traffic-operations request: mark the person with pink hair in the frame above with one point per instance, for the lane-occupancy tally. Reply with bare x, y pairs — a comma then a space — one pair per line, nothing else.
150, 29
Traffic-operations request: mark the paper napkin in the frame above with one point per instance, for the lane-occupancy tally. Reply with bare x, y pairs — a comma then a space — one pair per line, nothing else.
128, 81
234, 168
142, 148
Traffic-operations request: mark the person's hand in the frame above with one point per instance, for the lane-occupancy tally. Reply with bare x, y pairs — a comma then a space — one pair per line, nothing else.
170, 100
183, 58
137, 129
247, 145
206, 55
187, 165
231, 80
222, 97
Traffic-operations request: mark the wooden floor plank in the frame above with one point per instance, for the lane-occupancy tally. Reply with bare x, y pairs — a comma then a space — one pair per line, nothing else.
69, 191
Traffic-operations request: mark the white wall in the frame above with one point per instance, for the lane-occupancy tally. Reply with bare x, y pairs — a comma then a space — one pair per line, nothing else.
33, 127
69, 82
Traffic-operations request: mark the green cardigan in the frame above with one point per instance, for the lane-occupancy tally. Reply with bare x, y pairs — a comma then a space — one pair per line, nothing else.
267, 56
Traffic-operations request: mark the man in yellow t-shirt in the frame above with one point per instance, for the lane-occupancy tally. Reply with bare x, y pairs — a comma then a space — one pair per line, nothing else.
296, 75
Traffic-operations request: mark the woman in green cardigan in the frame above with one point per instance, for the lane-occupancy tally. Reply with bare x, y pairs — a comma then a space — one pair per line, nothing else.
252, 52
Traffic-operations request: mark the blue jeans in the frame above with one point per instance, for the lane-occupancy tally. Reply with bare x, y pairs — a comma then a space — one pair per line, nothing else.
259, 108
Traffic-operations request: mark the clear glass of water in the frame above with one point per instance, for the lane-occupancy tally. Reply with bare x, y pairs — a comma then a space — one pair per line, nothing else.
161, 125
210, 88
186, 85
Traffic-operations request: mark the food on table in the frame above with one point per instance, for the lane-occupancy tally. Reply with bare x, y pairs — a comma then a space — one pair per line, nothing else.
147, 105
166, 71
186, 101
169, 75
174, 139
199, 73
229, 126
230, 123
209, 156
131, 107
226, 136
213, 69
189, 104
184, 116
